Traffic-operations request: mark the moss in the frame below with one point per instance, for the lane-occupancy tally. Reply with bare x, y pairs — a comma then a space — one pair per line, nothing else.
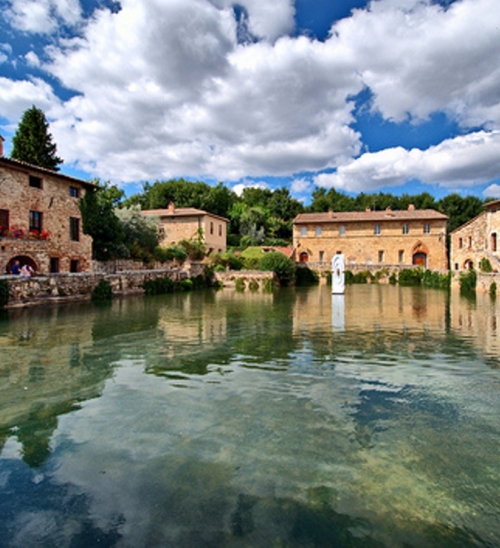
4, 293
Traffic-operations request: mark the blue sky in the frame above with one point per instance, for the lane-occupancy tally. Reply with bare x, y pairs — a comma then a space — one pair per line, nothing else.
388, 95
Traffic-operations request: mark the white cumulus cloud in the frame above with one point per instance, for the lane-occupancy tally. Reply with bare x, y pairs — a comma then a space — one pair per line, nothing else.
462, 161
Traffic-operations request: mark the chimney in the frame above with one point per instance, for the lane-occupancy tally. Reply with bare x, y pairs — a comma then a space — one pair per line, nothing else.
368, 209
388, 208
411, 207
171, 208
1, 145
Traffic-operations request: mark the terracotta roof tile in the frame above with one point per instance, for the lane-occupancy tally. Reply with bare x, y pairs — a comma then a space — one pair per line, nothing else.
181, 212
25, 166
369, 216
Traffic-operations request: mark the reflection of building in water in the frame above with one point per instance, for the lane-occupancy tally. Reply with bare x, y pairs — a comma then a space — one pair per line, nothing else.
478, 321
369, 307
47, 367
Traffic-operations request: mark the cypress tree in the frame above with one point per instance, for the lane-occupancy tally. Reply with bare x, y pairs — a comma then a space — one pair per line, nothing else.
32, 142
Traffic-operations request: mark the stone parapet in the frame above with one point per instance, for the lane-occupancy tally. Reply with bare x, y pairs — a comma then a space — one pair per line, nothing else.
229, 277
59, 288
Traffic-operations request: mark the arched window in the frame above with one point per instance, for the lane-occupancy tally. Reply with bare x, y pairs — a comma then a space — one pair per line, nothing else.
493, 240
303, 257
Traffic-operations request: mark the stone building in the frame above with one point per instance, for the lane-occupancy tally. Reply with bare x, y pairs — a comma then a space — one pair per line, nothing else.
40, 219
187, 223
395, 238
477, 239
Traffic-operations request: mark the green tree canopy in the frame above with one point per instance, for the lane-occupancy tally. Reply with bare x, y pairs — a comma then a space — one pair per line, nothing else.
100, 221
32, 142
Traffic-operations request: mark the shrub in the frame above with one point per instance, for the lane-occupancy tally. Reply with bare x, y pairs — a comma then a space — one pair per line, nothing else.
251, 258
359, 278
411, 276
305, 276
436, 280
485, 265
468, 281
102, 292
281, 265
4, 293
393, 279
239, 284
226, 260
195, 249
186, 285
493, 290
159, 286
174, 252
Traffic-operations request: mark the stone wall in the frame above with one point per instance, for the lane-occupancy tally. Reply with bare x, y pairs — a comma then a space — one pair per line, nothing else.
228, 278
58, 288
484, 281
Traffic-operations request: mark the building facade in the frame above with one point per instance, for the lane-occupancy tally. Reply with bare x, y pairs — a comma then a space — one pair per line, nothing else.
477, 240
189, 223
40, 220
403, 238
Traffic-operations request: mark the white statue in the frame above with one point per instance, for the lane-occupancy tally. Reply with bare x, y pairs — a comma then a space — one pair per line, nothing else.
338, 275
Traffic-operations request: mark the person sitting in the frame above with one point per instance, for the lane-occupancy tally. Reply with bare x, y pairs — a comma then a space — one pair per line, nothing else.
15, 268
27, 271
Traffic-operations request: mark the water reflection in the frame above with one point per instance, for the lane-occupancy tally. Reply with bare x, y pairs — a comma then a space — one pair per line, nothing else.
230, 419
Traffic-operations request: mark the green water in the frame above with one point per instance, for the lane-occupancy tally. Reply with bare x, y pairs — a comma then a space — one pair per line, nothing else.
253, 420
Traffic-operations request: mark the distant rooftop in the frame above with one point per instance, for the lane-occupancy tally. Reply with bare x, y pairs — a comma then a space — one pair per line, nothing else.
173, 211
410, 214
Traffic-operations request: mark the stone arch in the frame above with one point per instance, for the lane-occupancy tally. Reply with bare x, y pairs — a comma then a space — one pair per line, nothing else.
304, 257
419, 254
468, 264
23, 259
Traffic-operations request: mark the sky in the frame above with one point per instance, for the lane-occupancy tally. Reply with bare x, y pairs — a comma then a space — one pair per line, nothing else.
399, 96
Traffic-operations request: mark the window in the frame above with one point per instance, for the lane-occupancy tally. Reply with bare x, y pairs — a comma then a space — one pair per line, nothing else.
341, 230
220, 230
401, 256
54, 265
303, 231
376, 230
406, 228
493, 241
460, 243
74, 265
36, 221
35, 182
74, 229
456, 266
381, 256
318, 231
427, 228
211, 227
4, 220
74, 192
321, 256
469, 242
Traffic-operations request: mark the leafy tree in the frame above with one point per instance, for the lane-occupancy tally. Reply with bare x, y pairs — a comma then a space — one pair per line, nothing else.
280, 264
459, 210
32, 142
100, 221
141, 234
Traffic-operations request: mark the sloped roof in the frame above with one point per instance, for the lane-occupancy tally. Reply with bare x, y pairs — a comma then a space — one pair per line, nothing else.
181, 212
30, 168
370, 216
